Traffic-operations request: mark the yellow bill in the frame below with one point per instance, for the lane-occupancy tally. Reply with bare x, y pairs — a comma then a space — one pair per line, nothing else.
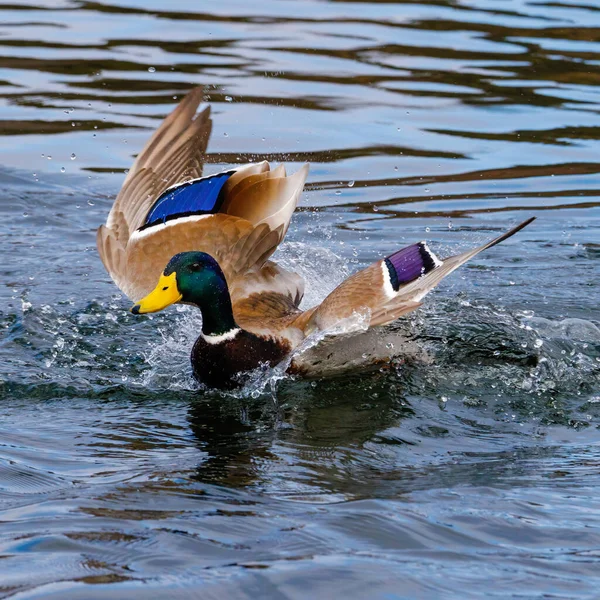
164, 294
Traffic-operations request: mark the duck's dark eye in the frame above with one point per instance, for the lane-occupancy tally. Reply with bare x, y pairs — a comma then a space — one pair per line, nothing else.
195, 267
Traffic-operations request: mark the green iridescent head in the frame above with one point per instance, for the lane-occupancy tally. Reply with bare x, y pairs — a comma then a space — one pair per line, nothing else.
193, 278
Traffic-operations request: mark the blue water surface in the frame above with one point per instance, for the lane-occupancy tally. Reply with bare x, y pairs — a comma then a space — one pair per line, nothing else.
470, 472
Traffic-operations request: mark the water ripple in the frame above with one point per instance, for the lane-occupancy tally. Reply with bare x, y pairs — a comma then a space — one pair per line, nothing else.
474, 462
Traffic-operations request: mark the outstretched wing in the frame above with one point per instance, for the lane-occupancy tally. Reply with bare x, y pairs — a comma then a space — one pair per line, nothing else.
238, 216
175, 152
394, 286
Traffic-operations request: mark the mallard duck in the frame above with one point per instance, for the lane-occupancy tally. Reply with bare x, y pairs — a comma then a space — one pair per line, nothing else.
174, 236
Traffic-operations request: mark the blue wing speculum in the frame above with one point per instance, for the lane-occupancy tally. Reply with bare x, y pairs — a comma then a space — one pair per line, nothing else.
197, 197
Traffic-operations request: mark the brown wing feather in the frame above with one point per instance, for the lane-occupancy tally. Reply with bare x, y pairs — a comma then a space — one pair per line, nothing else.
258, 204
176, 149
270, 313
366, 291
281, 198
236, 201
270, 278
242, 173
112, 252
173, 125
415, 291
261, 305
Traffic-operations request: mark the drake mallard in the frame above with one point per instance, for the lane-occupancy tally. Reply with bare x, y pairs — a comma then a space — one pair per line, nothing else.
207, 242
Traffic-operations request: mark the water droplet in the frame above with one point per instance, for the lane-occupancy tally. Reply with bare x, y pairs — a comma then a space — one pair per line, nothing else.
228, 99
395, 168
389, 346
73, 156
338, 193
49, 157
351, 183
375, 209
225, 134
62, 169
151, 69
427, 229
450, 225
538, 343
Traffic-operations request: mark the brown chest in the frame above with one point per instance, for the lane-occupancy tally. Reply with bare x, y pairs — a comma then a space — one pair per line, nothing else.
225, 363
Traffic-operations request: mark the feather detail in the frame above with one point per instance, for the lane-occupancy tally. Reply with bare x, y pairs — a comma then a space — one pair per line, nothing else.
237, 203
199, 196
283, 199
242, 173
410, 263
175, 148
267, 300
393, 286
238, 216
111, 251
361, 293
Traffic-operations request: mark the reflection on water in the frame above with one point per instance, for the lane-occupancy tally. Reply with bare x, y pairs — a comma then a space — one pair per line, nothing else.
442, 120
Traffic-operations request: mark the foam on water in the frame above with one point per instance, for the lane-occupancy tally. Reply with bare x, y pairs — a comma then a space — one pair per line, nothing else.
168, 359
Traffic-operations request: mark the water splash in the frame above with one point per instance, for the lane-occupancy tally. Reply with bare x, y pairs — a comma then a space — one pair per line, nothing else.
265, 378
516, 363
169, 359
321, 269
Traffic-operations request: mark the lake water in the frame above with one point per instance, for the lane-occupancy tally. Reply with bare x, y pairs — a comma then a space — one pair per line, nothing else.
475, 473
